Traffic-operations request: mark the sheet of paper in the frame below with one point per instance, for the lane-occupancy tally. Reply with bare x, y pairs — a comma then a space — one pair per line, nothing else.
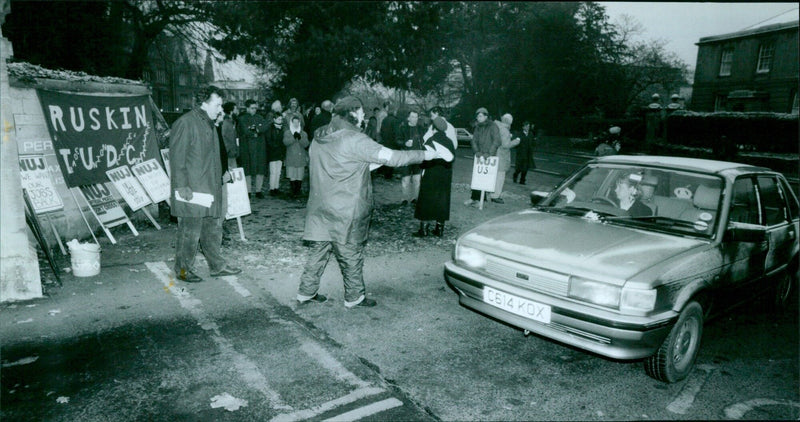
198, 198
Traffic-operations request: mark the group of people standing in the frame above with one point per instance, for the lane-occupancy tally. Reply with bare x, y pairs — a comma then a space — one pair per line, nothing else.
494, 138
269, 142
340, 160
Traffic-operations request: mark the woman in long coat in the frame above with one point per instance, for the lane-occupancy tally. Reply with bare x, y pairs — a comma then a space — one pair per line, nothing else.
433, 203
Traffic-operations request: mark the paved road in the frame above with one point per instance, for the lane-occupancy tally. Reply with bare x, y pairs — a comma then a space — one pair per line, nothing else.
133, 344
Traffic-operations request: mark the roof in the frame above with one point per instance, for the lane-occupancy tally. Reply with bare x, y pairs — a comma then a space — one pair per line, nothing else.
680, 163
750, 32
28, 71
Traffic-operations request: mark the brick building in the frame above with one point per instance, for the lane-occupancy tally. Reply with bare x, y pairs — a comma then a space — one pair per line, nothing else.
750, 70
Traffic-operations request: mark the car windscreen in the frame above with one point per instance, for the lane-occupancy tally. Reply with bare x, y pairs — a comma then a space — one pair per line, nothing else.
649, 198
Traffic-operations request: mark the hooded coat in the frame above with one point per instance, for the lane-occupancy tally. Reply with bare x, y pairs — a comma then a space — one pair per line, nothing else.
195, 163
340, 197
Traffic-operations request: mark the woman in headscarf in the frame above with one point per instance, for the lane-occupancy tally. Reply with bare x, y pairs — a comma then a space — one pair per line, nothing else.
296, 141
433, 203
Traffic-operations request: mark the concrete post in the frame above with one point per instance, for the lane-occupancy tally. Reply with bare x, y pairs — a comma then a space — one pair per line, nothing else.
19, 265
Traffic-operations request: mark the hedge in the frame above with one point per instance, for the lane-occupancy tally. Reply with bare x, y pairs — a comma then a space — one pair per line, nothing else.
766, 132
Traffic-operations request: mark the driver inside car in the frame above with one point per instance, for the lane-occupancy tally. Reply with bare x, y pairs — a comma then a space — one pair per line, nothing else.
628, 194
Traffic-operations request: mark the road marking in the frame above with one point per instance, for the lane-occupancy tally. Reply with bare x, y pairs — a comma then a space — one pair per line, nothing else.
330, 405
738, 410
685, 399
231, 279
363, 412
315, 351
246, 368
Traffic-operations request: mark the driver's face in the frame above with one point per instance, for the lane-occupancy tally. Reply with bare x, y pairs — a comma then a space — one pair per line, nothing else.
624, 190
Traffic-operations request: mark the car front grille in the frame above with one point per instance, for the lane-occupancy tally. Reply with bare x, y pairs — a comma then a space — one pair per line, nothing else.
527, 277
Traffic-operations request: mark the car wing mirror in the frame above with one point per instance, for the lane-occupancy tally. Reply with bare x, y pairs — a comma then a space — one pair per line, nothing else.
538, 196
742, 232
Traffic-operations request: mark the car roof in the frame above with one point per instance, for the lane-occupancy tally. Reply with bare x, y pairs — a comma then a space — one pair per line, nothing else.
683, 163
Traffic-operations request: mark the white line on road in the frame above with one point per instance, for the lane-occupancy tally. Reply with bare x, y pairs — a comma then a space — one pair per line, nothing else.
315, 351
246, 368
685, 399
363, 412
231, 279
330, 405
738, 410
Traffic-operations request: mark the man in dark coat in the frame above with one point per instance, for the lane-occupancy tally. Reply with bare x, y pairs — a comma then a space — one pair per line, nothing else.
388, 135
340, 200
252, 149
524, 159
321, 119
197, 171
485, 141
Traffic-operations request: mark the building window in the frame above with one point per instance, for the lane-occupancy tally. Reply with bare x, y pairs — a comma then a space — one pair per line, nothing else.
725, 62
161, 76
146, 76
721, 102
183, 80
765, 58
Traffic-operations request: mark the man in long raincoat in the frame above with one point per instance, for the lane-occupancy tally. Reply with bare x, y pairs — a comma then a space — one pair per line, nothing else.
340, 200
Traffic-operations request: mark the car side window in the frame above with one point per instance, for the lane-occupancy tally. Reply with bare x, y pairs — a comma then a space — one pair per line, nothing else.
744, 206
791, 200
775, 211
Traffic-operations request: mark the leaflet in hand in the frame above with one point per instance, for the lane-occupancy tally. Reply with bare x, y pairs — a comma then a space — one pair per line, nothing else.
198, 198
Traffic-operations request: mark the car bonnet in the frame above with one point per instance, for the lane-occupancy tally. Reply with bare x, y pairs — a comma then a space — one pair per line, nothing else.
576, 246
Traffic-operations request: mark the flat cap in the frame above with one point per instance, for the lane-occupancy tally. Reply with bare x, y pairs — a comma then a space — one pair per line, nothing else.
482, 110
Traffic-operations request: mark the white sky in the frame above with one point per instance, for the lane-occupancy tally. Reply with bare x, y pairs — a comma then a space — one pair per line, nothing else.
683, 24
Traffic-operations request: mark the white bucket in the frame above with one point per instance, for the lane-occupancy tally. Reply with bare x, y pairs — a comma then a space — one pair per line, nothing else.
85, 259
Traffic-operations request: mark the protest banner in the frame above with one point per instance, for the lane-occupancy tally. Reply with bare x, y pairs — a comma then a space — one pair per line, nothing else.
92, 134
484, 175
131, 191
153, 178
238, 200
40, 191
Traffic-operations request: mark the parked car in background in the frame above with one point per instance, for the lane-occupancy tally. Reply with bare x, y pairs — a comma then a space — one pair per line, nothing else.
463, 136
631, 254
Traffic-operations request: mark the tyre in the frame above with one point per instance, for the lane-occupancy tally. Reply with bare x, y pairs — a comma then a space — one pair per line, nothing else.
784, 287
675, 358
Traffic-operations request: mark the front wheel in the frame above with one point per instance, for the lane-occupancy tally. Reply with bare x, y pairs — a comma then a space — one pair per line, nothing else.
675, 358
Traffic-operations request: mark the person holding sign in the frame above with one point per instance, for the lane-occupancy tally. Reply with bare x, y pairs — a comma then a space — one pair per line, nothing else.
197, 172
340, 200
485, 141
437, 176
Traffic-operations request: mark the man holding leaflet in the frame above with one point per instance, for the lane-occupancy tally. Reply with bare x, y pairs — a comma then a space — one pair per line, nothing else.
197, 173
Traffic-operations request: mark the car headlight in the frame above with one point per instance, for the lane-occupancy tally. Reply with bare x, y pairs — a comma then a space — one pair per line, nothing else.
594, 292
638, 299
470, 257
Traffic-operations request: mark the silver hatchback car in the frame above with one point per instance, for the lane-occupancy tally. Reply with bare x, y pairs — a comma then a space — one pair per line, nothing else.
629, 256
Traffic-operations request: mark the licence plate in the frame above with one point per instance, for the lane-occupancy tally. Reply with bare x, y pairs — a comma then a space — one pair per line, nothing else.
517, 305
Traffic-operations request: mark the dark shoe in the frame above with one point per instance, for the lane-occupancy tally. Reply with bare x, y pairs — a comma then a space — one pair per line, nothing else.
318, 298
514, 177
413, 202
438, 231
228, 270
498, 201
423, 231
522, 182
189, 276
366, 303
260, 195
405, 202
